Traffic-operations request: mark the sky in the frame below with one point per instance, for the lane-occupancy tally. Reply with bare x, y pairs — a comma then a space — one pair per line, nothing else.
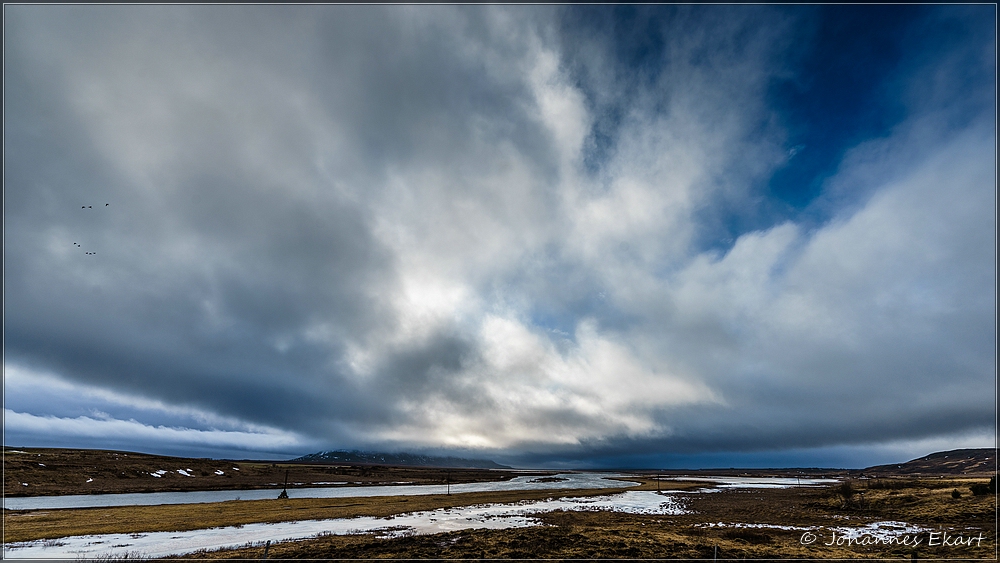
551, 236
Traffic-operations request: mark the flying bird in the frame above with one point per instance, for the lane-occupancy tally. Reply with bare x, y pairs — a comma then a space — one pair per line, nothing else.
106, 204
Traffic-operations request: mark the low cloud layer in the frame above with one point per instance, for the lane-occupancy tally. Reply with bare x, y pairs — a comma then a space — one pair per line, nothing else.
519, 231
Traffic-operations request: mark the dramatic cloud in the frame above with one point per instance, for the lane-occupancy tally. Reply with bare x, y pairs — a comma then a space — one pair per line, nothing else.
548, 235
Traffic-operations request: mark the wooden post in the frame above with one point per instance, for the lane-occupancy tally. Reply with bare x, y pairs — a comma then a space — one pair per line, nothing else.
284, 490
267, 546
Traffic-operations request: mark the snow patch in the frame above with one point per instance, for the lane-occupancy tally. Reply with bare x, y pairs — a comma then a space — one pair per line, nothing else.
766, 526
881, 530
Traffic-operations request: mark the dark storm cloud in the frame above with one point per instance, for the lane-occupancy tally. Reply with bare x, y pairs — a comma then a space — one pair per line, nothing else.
546, 233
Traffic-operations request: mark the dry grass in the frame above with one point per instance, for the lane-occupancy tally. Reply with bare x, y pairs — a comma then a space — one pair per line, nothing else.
52, 471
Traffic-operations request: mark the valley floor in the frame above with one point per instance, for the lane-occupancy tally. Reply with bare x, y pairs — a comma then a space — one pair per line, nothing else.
816, 523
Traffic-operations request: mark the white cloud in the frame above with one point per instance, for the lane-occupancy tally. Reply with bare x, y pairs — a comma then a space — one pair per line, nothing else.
133, 419
380, 219
527, 391
32, 428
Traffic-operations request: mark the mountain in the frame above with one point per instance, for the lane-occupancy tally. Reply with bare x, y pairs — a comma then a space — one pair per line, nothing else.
343, 456
954, 462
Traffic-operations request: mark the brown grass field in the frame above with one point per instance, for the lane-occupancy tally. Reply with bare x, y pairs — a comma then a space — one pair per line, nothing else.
40, 471
567, 535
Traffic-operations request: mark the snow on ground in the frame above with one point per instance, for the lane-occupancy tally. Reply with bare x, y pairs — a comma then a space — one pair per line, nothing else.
881, 530
185, 472
766, 526
219, 472
758, 482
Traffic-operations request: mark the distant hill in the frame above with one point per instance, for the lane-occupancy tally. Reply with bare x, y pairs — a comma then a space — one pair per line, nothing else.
954, 462
343, 456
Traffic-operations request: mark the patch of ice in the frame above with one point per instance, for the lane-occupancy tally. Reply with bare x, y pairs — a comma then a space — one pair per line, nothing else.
14, 452
329, 482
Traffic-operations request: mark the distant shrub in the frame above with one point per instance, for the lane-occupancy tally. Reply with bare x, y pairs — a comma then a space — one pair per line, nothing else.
748, 536
956, 494
846, 489
980, 489
891, 484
